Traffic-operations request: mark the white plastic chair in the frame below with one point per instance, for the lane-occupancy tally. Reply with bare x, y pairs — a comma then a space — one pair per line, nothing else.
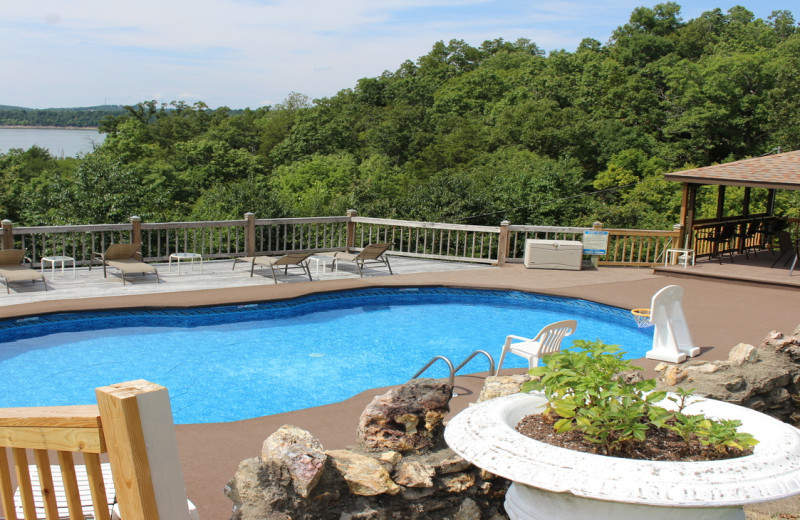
546, 342
671, 339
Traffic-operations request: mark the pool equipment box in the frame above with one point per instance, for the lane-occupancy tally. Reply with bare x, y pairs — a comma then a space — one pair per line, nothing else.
553, 254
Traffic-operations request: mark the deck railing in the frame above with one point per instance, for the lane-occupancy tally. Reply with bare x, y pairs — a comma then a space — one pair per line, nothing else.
131, 424
251, 236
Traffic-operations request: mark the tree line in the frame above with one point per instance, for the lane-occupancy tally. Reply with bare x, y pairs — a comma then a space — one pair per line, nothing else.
83, 117
463, 134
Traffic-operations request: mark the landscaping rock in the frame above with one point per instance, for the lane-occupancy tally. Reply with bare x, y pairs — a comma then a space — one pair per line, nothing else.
741, 354
766, 379
300, 453
498, 386
364, 475
406, 418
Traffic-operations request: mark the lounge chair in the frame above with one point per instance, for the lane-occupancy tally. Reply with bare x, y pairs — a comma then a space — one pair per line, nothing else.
126, 258
13, 270
373, 253
547, 341
287, 261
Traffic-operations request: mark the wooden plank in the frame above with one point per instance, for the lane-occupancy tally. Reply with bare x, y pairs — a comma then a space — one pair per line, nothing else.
70, 481
6, 489
24, 482
78, 416
94, 473
46, 484
88, 440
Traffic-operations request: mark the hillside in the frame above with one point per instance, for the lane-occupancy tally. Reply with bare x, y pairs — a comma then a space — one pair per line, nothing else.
58, 117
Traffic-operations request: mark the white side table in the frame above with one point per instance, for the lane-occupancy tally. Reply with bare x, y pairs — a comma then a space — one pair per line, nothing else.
672, 257
324, 259
185, 256
53, 260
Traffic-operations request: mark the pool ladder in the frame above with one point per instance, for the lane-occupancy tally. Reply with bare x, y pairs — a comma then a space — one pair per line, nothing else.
454, 371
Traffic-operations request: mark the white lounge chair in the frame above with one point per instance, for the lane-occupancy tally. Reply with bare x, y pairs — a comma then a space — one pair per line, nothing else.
671, 339
547, 341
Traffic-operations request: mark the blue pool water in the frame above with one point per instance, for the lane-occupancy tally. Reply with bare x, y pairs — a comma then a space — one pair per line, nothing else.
231, 363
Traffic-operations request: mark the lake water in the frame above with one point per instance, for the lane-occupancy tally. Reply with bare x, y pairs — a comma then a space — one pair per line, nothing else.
62, 142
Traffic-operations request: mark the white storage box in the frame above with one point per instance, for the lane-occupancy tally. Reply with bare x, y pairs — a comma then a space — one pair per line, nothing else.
553, 254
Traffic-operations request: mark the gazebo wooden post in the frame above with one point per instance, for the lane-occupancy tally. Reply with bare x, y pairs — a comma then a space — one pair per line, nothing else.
688, 201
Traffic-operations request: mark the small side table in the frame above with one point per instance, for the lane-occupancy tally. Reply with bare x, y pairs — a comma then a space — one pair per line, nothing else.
672, 257
324, 259
185, 256
53, 260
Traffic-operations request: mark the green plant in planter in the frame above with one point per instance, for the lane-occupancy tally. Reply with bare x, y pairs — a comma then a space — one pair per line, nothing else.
586, 392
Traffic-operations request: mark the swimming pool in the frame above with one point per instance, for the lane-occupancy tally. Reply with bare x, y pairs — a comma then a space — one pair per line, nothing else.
231, 363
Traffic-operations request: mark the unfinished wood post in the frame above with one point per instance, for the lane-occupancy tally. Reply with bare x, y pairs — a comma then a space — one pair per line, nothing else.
143, 451
350, 241
249, 234
503, 243
8, 237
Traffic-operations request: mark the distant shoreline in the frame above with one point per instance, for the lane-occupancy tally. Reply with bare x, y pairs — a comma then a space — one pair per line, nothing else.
36, 127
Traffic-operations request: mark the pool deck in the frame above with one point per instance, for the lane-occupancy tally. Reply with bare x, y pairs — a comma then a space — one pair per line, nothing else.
720, 314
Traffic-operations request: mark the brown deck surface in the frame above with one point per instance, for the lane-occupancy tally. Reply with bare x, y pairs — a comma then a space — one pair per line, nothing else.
720, 315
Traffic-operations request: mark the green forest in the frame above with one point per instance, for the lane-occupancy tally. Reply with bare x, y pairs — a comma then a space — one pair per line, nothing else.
84, 117
464, 134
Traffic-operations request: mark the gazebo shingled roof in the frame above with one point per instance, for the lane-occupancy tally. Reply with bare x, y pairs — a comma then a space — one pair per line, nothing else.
780, 171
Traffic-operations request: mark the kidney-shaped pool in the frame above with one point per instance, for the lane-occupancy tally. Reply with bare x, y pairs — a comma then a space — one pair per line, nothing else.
232, 363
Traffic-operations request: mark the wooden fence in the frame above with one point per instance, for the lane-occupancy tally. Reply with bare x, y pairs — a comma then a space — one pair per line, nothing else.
131, 425
251, 236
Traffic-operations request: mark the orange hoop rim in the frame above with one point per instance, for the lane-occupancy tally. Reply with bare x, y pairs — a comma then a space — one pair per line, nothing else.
644, 313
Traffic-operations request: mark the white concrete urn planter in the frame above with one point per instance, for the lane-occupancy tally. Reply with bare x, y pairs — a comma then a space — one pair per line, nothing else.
556, 483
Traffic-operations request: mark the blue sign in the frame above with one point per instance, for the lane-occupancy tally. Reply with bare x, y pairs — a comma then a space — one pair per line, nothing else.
595, 242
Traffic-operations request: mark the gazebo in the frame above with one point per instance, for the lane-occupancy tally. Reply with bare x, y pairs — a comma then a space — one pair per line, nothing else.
780, 171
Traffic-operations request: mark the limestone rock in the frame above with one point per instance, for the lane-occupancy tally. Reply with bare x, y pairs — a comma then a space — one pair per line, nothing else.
498, 386
414, 474
741, 354
298, 451
364, 475
459, 483
705, 368
452, 464
673, 375
737, 384
469, 510
389, 459
408, 417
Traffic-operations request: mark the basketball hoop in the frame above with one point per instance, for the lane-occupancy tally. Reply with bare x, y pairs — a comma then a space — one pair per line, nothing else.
642, 317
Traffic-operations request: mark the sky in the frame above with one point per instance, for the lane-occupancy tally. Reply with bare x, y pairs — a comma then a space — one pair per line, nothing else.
252, 53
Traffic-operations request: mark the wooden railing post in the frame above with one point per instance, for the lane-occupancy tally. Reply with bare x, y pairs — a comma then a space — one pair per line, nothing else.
143, 451
249, 234
503, 243
350, 241
136, 230
8, 237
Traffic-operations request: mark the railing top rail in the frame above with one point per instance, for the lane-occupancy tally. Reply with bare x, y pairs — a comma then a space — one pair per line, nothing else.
550, 229
81, 228
77, 416
198, 224
301, 220
643, 232
730, 220
428, 225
